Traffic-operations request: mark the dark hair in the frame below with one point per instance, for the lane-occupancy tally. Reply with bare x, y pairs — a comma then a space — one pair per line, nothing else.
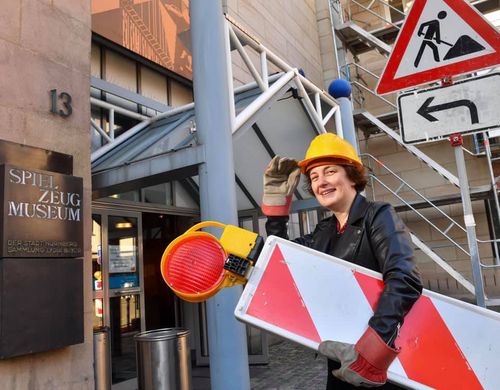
360, 179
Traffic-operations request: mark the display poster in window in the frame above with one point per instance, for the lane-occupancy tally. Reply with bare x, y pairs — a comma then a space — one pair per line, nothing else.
122, 259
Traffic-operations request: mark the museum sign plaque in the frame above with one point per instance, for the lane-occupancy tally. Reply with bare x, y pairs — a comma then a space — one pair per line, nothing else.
42, 213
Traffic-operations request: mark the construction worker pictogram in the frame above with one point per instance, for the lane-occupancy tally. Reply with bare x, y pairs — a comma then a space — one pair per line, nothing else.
432, 39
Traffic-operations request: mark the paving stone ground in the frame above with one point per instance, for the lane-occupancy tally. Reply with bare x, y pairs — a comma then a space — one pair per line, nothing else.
291, 367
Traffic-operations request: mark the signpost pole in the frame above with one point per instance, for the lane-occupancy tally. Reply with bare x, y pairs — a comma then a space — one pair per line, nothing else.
470, 224
494, 191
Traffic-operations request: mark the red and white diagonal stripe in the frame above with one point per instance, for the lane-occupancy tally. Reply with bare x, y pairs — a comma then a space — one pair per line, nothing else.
307, 296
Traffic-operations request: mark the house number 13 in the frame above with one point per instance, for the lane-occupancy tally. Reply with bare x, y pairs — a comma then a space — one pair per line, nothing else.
64, 100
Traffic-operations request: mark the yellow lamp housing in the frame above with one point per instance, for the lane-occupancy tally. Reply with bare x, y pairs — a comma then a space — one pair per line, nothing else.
196, 265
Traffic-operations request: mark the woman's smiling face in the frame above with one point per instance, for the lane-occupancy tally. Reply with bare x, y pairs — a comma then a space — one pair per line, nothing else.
332, 187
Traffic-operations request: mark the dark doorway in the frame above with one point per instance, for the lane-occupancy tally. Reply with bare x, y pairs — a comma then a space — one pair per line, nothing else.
160, 302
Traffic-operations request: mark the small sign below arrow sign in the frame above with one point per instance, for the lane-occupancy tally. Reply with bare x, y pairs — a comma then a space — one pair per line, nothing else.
468, 106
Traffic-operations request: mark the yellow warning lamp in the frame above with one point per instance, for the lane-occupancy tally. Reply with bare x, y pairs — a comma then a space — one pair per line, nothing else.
196, 265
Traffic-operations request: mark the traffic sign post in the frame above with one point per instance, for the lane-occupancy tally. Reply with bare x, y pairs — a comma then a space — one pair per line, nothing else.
440, 38
466, 107
470, 224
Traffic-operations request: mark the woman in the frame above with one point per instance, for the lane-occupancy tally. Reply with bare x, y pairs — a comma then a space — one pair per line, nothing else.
366, 233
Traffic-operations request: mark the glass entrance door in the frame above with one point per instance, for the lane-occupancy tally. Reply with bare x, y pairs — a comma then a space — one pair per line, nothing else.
118, 288
257, 339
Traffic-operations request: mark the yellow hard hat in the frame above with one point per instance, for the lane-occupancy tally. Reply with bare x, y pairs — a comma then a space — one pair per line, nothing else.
327, 147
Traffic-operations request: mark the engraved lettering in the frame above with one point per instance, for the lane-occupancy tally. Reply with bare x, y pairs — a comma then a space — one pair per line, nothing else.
14, 176
15, 210
44, 197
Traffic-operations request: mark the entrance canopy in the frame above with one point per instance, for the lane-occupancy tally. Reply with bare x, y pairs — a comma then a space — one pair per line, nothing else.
278, 114
166, 148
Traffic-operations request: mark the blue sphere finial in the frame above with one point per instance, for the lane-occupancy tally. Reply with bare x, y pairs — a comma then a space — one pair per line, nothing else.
340, 88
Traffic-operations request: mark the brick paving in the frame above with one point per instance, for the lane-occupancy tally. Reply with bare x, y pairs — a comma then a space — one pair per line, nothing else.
291, 367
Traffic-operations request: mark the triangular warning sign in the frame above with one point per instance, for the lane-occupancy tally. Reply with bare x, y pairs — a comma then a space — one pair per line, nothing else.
280, 303
439, 38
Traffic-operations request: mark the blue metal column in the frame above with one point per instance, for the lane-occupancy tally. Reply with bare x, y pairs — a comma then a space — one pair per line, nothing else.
214, 105
341, 91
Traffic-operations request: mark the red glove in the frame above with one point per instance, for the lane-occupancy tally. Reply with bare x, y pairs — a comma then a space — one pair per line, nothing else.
363, 364
280, 181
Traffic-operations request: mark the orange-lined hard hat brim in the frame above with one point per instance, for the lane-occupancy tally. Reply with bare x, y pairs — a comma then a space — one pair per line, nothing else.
307, 165
329, 148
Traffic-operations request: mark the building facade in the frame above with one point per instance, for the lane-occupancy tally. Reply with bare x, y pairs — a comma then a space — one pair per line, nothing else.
46, 47
86, 78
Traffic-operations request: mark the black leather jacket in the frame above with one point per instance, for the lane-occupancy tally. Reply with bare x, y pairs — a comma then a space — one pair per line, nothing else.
375, 238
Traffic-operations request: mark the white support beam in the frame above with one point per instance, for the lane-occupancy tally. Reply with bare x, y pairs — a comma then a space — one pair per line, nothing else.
244, 116
118, 109
329, 114
137, 128
317, 103
318, 121
338, 124
100, 130
248, 62
244, 38
263, 69
112, 124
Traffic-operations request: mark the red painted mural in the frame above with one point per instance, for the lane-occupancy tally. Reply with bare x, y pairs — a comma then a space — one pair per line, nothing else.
155, 29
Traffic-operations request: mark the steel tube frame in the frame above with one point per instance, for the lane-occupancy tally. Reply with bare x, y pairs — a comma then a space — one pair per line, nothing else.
380, 163
137, 128
303, 85
121, 110
412, 149
454, 274
262, 81
377, 15
246, 59
444, 265
329, 114
260, 101
310, 106
274, 59
100, 130
359, 85
421, 215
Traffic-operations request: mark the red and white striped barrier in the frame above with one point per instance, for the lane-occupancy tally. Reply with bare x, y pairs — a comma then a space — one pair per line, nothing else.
307, 296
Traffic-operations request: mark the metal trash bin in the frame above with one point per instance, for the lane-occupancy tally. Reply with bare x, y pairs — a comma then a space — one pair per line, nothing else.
102, 359
163, 359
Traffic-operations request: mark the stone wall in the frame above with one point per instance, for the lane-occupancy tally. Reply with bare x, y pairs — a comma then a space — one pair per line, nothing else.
45, 45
